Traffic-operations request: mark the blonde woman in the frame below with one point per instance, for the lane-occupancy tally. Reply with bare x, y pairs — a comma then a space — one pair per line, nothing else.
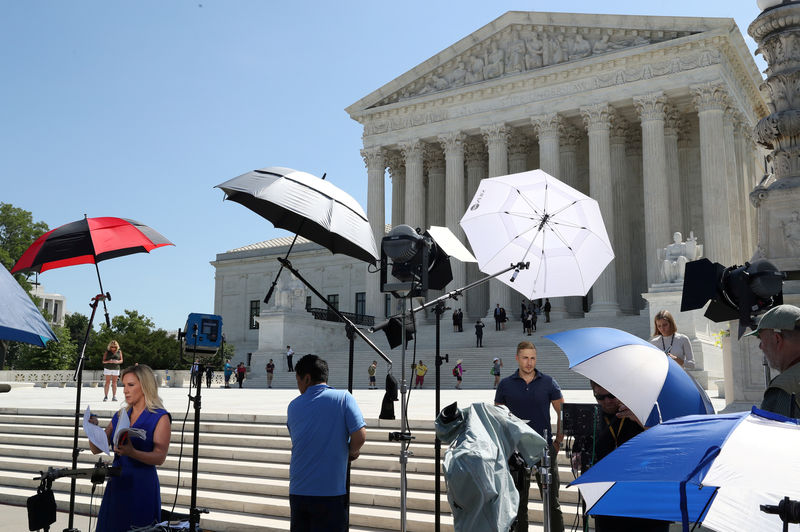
133, 499
112, 359
674, 344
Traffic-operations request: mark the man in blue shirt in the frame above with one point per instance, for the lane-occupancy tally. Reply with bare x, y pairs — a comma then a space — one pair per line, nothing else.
327, 430
528, 394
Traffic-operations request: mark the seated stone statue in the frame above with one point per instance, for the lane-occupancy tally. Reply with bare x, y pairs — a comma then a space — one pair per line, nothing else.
675, 256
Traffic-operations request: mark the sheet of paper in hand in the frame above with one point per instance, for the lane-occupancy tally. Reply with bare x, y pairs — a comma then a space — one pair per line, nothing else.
95, 433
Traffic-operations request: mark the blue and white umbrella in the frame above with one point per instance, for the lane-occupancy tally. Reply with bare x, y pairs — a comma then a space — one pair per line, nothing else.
20, 320
647, 381
715, 469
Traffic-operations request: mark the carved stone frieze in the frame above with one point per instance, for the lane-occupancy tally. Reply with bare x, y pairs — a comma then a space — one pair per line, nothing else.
521, 48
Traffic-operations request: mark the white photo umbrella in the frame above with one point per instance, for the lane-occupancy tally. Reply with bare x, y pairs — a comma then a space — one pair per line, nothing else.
533, 217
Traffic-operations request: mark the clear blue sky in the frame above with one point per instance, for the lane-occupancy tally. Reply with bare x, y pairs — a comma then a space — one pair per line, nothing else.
137, 109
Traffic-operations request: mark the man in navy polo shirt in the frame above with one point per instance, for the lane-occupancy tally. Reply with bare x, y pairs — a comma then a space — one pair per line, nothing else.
327, 429
528, 394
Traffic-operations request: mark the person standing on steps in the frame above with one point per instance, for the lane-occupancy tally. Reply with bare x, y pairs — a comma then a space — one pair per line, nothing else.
479, 333
289, 355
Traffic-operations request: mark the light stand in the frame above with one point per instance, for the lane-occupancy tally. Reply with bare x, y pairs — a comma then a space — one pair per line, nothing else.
438, 310
78, 378
194, 512
404, 436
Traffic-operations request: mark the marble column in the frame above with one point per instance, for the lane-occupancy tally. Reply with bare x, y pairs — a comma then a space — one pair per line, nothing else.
434, 159
496, 138
598, 119
711, 101
675, 215
743, 177
622, 215
568, 164
651, 109
691, 190
455, 200
548, 129
633, 153
477, 160
415, 189
397, 173
732, 186
375, 159
518, 148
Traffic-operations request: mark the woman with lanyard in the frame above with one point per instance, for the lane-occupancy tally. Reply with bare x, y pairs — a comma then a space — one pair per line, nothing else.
675, 345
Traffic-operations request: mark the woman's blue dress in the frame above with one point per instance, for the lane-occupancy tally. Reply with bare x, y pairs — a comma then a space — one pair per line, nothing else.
133, 499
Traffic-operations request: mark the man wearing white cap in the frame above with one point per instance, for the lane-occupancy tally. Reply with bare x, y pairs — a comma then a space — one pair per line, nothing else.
779, 335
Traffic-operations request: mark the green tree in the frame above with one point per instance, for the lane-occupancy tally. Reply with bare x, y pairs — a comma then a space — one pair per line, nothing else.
56, 355
17, 233
139, 341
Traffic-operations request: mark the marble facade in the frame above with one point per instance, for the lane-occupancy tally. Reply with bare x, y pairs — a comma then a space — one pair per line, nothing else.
651, 116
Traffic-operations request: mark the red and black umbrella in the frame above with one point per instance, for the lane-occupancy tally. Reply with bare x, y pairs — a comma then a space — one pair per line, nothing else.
89, 241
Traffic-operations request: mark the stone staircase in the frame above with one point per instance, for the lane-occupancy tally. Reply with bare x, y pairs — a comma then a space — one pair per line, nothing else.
243, 472
476, 361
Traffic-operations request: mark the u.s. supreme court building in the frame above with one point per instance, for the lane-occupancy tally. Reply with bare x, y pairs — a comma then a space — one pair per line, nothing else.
650, 116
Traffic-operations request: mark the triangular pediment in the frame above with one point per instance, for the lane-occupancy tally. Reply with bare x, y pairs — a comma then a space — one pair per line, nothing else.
520, 43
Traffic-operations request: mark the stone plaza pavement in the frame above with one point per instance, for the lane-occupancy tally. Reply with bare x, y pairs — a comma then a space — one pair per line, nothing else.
234, 400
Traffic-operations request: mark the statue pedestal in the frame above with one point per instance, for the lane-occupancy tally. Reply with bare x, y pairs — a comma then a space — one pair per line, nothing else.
707, 355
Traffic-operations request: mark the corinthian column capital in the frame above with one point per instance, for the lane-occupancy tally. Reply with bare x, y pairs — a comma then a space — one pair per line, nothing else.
452, 143
598, 117
475, 152
411, 149
570, 137
496, 134
547, 126
709, 97
651, 106
374, 157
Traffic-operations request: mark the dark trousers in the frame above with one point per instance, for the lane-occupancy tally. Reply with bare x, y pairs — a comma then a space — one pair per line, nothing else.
289, 362
496, 323
556, 519
318, 514
479, 340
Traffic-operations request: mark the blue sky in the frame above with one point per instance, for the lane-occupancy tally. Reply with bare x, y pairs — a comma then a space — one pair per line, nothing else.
137, 109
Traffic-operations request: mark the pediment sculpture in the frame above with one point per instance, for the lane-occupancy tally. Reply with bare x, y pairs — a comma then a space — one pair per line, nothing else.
520, 49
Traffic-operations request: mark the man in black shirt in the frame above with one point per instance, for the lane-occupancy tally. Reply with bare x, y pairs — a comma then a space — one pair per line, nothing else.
615, 425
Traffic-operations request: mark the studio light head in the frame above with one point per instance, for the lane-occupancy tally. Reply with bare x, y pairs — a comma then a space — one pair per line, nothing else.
202, 335
735, 292
417, 262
